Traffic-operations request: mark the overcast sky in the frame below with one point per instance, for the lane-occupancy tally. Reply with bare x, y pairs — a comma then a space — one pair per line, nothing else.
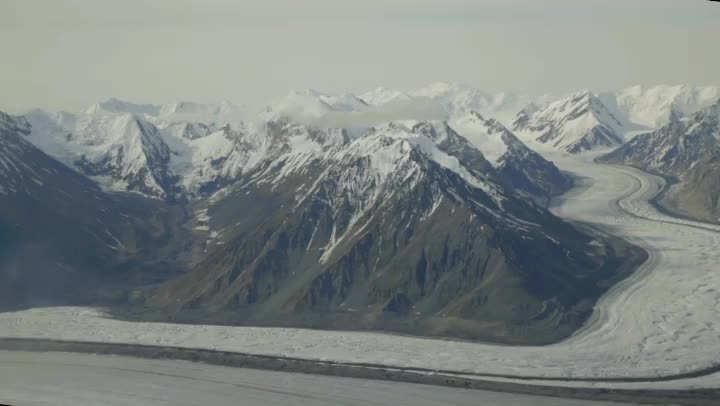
68, 54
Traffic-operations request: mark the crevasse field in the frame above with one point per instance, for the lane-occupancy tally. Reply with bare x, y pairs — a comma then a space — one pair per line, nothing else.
663, 320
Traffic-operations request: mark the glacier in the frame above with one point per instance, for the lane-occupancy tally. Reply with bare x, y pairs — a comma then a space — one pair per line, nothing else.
661, 321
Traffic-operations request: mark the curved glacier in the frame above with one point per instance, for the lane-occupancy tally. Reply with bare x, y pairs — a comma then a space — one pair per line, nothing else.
661, 321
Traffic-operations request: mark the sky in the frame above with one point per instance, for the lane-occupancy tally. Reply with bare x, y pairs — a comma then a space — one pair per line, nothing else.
66, 55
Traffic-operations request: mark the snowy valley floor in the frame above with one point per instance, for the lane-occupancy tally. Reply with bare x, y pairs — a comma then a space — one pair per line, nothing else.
662, 321
32, 379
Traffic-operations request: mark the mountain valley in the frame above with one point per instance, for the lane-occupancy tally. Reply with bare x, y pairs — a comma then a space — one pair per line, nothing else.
390, 221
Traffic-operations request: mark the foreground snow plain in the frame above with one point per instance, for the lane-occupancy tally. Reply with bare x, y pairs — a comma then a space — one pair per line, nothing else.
58, 379
663, 320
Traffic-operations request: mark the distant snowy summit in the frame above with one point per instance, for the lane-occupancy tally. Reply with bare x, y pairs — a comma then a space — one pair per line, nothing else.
587, 121
577, 123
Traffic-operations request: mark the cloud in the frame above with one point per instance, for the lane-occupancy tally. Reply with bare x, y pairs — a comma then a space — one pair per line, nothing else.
420, 108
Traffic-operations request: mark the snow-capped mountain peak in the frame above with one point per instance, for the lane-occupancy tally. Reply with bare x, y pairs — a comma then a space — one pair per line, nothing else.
486, 135
650, 107
490, 152
14, 123
162, 150
576, 123
387, 160
382, 95
114, 105
521, 167
123, 151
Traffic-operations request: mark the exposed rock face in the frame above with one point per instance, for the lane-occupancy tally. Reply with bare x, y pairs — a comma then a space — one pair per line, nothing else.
404, 222
62, 239
522, 168
120, 151
687, 149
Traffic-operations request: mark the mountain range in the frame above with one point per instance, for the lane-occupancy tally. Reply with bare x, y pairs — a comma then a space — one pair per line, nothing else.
420, 211
58, 229
407, 227
578, 122
687, 151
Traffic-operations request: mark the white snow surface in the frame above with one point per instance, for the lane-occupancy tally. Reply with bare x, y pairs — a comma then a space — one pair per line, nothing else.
644, 107
626, 112
458, 98
560, 120
197, 153
403, 137
638, 108
122, 141
115, 105
481, 134
193, 158
64, 379
200, 154
178, 112
662, 320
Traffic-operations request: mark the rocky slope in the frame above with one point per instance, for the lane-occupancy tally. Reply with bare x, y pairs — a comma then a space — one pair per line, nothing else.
688, 150
522, 168
159, 151
407, 228
63, 239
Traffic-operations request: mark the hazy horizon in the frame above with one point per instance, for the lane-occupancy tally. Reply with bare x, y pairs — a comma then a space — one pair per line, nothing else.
82, 51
